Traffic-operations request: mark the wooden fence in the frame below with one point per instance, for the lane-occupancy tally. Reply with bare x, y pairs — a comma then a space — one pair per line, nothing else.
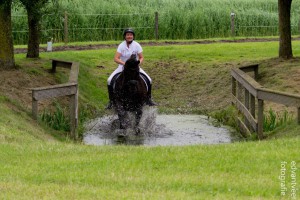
246, 92
67, 89
66, 27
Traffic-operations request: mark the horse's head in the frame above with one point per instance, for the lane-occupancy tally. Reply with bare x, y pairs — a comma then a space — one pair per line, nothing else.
131, 68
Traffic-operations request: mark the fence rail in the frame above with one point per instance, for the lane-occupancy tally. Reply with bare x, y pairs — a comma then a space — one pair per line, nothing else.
254, 92
67, 89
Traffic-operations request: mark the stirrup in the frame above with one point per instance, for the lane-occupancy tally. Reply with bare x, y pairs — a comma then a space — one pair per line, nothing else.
150, 102
109, 105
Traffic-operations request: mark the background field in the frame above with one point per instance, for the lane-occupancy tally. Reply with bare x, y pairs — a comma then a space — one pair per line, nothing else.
189, 19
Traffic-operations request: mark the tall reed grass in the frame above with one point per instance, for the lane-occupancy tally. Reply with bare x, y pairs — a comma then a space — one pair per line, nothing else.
273, 120
57, 119
188, 19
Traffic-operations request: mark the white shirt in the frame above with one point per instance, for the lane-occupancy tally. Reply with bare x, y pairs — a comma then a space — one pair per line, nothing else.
126, 52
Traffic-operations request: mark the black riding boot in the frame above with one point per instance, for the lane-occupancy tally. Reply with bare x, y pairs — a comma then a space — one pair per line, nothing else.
149, 100
110, 96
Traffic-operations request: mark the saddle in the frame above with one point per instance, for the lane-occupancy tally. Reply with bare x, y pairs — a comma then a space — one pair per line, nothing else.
143, 76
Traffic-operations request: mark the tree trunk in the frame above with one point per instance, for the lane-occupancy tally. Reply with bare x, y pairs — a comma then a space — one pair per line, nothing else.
34, 34
7, 60
285, 42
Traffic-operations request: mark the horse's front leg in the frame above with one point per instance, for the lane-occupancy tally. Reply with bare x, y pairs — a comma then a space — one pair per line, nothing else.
138, 117
121, 115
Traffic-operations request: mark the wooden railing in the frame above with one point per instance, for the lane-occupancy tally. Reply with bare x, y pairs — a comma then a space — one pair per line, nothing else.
67, 89
246, 92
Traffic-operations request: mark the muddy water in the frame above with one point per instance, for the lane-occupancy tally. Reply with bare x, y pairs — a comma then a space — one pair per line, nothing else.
157, 130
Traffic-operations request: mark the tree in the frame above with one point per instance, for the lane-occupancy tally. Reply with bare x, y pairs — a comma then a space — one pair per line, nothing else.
34, 13
7, 60
285, 43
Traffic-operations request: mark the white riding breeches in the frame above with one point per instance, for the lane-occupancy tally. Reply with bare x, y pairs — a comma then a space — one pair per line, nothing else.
120, 69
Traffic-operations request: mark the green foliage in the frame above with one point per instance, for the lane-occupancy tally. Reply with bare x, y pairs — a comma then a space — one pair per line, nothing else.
58, 119
189, 19
273, 120
225, 116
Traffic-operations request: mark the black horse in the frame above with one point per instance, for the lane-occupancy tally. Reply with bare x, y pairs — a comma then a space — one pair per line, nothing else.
130, 92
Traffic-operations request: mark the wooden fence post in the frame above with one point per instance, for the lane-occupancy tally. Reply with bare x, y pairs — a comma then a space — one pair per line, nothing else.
299, 115
76, 107
260, 118
247, 105
34, 108
232, 15
233, 86
256, 73
73, 116
53, 69
252, 105
239, 91
156, 26
66, 32
299, 26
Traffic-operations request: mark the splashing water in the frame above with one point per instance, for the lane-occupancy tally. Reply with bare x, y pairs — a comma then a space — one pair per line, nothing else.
157, 130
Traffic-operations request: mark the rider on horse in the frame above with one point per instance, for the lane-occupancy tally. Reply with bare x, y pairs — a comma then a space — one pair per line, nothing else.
127, 48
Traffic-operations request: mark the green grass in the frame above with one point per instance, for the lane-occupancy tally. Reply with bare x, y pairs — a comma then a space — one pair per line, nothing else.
34, 165
157, 42
35, 169
17, 126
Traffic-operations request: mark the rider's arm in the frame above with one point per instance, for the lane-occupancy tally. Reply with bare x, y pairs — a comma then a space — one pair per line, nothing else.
117, 59
141, 58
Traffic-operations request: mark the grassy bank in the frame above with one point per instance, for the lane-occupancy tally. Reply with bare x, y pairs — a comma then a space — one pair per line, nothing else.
187, 79
34, 166
193, 78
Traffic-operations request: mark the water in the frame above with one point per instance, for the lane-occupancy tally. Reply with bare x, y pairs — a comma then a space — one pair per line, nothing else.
157, 130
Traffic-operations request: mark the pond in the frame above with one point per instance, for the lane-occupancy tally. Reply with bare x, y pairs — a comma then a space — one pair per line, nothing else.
158, 130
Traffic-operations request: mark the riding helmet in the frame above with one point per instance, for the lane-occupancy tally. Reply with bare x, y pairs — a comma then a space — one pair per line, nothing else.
128, 30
